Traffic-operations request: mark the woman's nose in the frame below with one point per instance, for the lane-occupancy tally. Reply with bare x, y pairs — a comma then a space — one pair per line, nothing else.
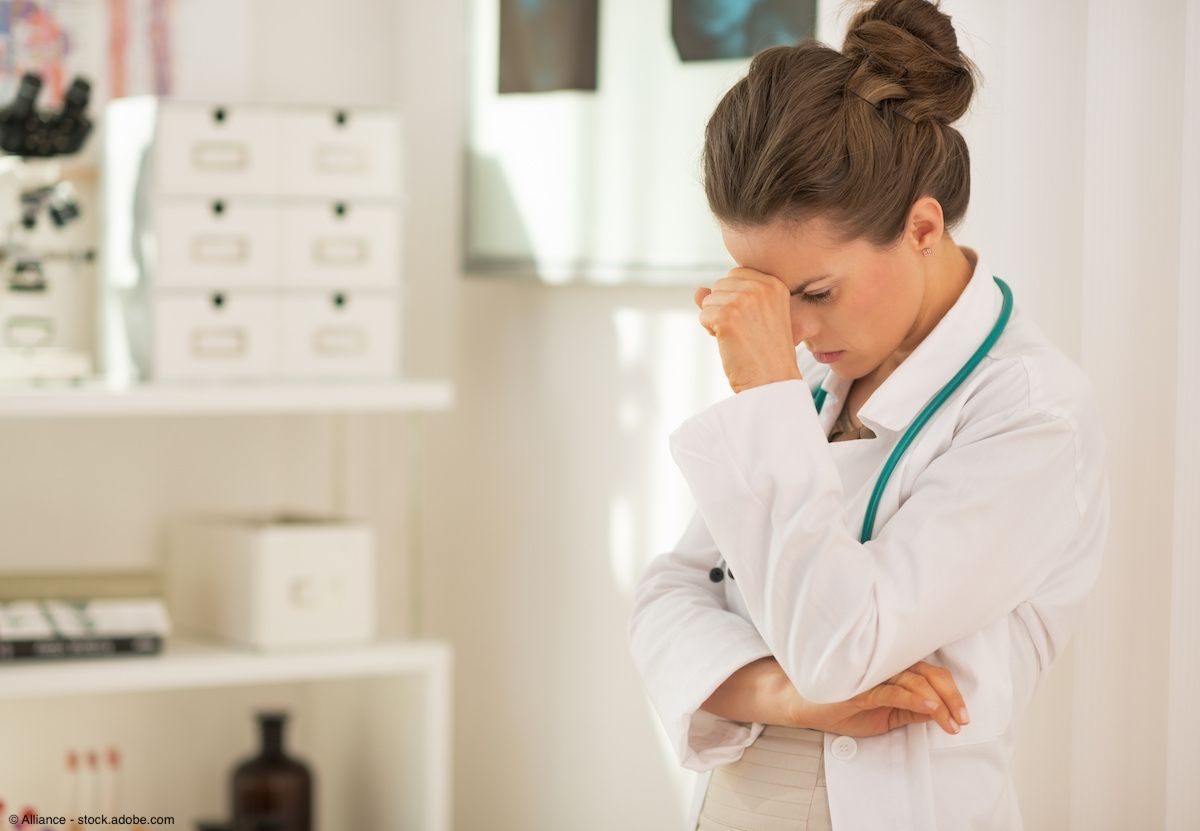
802, 330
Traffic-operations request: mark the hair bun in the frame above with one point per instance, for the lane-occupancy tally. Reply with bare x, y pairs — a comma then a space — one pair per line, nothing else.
907, 50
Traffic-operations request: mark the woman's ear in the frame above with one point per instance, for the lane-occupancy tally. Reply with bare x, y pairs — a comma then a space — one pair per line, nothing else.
926, 223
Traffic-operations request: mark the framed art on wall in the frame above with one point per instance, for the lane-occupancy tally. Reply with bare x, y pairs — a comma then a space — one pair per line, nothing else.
585, 130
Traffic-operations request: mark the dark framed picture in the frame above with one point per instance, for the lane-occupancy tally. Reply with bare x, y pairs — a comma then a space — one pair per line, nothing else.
548, 45
709, 30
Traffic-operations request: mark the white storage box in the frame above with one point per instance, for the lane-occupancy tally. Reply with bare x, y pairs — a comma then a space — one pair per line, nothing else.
202, 149
189, 148
341, 244
273, 583
338, 334
217, 335
229, 228
339, 152
217, 242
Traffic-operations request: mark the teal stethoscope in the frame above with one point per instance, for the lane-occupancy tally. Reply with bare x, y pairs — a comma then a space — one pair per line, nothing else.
717, 573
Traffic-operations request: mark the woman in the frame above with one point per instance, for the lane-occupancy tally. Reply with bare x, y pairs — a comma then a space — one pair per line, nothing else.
890, 550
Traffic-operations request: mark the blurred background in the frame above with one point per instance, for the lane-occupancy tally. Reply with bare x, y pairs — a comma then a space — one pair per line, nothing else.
340, 344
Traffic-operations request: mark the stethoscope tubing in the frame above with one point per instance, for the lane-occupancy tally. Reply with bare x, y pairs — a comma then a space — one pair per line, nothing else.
717, 573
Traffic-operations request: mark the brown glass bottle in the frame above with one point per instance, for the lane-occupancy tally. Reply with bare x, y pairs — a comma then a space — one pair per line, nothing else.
272, 790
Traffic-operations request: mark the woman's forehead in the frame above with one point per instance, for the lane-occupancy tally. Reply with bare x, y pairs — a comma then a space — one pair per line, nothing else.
801, 252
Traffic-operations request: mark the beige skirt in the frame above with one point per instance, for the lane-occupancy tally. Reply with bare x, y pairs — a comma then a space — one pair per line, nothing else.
777, 785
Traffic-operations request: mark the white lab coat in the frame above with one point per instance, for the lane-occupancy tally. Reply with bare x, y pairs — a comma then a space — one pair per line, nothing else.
988, 537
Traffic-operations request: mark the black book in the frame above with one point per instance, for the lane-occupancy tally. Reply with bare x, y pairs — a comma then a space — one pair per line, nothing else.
22, 650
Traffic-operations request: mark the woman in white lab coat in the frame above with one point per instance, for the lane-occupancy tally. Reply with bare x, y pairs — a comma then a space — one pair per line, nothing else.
895, 527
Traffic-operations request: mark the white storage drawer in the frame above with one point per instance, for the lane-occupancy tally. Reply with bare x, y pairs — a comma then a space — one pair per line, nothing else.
216, 149
340, 334
273, 582
340, 244
217, 242
340, 153
217, 335
288, 214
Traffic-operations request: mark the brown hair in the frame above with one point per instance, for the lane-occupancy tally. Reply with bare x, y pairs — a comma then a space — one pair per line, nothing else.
854, 136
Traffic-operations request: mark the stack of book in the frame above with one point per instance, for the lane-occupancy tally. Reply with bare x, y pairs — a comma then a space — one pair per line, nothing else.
31, 629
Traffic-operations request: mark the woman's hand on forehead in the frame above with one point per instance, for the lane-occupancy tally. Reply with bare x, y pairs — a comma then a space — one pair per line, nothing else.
749, 313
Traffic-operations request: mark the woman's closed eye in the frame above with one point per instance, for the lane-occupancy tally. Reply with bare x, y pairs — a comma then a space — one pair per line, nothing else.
818, 297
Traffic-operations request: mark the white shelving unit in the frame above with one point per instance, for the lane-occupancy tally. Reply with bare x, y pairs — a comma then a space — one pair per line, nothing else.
407, 783
404, 687
193, 664
100, 401
375, 720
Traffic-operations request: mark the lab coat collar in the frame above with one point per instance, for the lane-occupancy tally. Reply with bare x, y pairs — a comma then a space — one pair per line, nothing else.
910, 386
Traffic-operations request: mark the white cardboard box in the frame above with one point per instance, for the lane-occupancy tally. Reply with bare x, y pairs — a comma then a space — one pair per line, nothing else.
226, 199
273, 583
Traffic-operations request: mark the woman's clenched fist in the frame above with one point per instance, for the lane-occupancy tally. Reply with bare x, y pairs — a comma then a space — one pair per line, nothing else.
749, 314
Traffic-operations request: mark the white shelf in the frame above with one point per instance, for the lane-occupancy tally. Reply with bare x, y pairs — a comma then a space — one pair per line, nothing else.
98, 400
188, 664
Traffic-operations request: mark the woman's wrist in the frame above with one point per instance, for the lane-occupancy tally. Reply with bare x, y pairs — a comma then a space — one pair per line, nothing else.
760, 692
793, 705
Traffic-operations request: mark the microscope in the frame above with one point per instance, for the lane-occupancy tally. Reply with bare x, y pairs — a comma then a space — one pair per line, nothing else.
46, 308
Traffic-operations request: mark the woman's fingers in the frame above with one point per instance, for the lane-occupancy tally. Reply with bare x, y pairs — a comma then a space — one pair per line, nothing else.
943, 682
698, 298
920, 685
892, 695
900, 718
733, 287
923, 692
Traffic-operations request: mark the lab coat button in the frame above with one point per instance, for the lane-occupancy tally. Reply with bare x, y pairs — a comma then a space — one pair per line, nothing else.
844, 748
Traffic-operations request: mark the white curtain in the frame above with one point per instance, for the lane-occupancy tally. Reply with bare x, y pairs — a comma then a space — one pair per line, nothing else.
1134, 743
1183, 716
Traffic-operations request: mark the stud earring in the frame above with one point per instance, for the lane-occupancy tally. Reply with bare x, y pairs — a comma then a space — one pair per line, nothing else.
926, 251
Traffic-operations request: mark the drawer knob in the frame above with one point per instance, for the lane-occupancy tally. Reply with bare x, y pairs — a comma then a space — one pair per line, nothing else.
339, 208
218, 299
219, 115
339, 300
340, 117
218, 207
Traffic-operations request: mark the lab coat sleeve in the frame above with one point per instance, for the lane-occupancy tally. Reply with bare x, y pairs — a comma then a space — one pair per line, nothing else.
985, 522
685, 643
